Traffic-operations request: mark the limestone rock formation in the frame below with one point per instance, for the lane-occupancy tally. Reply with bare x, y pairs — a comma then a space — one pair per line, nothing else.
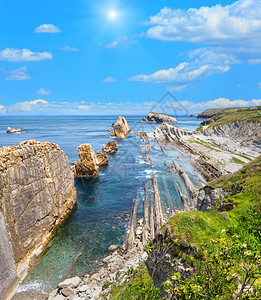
153, 117
36, 193
102, 158
111, 147
87, 165
121, 128
13, 130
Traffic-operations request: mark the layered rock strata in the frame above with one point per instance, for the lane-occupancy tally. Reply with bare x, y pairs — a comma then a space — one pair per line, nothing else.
36, 193
121, 128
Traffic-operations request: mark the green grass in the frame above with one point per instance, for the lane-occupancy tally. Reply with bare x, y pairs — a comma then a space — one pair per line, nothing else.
227, 117
131, 289
237, 161
210, 145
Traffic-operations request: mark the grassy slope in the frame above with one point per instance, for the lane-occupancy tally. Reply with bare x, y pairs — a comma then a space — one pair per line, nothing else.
230, 115
199, 228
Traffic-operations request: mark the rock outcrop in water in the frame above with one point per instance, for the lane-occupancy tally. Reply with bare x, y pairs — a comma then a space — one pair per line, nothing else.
121, 128
111, 147
102, 158
153, 117
36, 193
13, 130
87, 165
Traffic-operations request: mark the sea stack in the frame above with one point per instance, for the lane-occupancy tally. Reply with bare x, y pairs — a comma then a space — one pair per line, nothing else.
121, 128
153, 117
87, 165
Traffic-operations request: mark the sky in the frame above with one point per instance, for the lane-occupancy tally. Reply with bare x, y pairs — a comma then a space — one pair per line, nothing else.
85, 57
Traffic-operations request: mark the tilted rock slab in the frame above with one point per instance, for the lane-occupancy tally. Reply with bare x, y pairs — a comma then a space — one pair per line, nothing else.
158, 118
36, 193
121, 128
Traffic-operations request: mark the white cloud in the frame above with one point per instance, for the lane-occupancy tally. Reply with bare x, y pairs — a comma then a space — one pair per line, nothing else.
238, 24
47, 28
19, 74
16, 55
68, 48
40, 106
110, 79
204, 64
112, 45
85, 107
255, 61
43, 91
38, 101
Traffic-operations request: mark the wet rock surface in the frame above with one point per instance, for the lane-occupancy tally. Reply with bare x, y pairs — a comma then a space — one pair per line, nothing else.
13, 130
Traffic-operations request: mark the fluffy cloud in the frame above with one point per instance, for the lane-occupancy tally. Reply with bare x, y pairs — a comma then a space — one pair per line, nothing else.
110, 79
68, 48
47, 28
16, 55
238, 24
43, 91
122, 40
28, 106
204, 63
18, 74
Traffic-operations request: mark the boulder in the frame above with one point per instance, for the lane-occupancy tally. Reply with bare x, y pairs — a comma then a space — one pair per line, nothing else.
111, 147
102, 158
153, 117
13, 130
70, 282
121, 128
87, 165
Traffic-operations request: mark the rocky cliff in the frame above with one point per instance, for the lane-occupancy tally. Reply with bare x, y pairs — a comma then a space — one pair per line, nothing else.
36, 193
158, 118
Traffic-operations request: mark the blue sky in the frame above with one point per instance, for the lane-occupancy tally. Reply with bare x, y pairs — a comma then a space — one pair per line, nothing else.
117, 56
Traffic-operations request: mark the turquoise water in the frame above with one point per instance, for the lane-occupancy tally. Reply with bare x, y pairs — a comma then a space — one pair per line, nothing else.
104, 205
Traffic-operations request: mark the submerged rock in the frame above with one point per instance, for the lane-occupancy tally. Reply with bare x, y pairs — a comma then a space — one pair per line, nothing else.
121, 128
153, 117
87, 165
13, 130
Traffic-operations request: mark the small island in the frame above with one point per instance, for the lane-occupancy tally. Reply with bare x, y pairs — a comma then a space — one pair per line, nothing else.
153, 117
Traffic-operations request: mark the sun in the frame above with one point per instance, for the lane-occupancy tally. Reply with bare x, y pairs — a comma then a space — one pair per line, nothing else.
112, 14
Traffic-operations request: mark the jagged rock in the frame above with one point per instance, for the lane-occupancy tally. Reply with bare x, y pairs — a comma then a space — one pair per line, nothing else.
208, 196
111, 147
226, 206
13, 130
121, 128
113, 248
153, 117
70, 282
102, 158
36, 193
87, 165
206, 122
67, 291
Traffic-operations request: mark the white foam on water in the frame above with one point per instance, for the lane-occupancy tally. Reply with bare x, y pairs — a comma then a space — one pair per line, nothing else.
35, 285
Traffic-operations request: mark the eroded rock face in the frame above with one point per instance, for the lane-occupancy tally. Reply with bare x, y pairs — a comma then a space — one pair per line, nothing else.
121, 128
36, 192
158, 118
87, 165
102, 158
110, 147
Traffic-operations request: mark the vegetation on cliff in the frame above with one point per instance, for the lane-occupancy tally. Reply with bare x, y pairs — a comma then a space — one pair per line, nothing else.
226, 263
223, 116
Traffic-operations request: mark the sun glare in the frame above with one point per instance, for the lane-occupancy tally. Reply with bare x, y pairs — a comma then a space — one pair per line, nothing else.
112, 15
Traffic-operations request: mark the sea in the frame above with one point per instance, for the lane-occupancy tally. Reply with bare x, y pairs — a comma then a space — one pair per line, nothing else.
104, 204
